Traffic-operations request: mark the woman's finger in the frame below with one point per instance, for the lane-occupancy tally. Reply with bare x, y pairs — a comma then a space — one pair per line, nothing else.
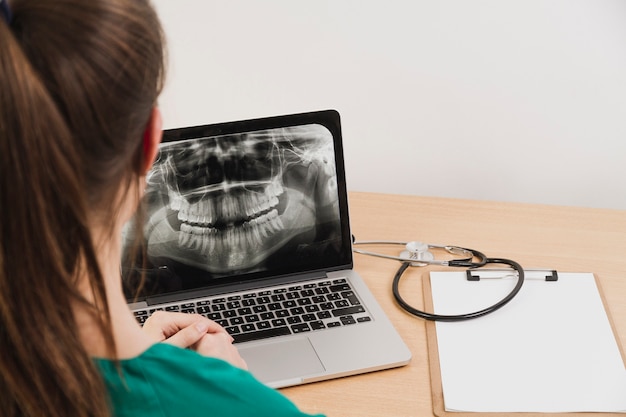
220, 345
189, 335
163, 325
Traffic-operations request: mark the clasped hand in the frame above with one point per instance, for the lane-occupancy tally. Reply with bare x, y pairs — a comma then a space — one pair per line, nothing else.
195, 332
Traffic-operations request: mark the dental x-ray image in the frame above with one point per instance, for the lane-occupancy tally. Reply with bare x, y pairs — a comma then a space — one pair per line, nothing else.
225, 205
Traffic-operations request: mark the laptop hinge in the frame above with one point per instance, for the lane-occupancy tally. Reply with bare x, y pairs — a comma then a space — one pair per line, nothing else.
233, 287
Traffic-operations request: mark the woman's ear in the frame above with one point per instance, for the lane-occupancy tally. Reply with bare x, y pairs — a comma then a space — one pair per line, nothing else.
151, 139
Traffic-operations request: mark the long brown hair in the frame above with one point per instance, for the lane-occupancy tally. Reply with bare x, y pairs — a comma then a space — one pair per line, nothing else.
78, 81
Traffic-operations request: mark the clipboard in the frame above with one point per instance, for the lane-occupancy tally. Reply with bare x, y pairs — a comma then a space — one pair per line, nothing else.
437, 389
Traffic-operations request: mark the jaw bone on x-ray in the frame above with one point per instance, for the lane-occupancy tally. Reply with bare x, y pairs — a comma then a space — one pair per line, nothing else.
227, 204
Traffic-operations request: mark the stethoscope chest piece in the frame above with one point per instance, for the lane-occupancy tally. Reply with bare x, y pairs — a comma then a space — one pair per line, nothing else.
416, 252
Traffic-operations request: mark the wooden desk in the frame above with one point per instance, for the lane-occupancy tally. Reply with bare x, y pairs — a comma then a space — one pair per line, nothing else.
562, 238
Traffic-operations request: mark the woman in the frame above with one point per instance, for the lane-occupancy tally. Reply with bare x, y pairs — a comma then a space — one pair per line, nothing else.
79, 129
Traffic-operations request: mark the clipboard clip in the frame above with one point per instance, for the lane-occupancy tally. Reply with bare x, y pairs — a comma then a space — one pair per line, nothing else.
496, 273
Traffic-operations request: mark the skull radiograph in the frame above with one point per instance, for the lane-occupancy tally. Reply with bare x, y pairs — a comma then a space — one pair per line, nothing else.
229, 204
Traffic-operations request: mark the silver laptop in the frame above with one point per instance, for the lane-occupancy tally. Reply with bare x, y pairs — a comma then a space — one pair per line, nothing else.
248, 225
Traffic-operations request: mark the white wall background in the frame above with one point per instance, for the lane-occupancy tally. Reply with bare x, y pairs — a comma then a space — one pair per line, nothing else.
520, 100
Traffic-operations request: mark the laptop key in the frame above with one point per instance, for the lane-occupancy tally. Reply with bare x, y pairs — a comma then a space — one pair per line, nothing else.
348, 311
351, 297
229, 314
267, 316
252, 318
278, 297
279, 322
297, 311
203, 309
248, 327
261, 334
236, 320
300, 328
340, 287
312, 308
262, 325
324, 315
233, 330
259, 309
317, 325
309, 317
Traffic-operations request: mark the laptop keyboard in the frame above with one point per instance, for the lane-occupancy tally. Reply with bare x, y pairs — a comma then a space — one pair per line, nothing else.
284, 310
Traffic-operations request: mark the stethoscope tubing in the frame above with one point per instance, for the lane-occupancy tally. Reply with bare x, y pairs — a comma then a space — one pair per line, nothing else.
464, 262
459, 317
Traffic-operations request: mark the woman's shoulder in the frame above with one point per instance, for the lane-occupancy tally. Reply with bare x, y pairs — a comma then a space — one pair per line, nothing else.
177, 382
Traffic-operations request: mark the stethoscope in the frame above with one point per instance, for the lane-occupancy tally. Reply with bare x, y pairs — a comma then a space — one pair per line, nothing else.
421, 254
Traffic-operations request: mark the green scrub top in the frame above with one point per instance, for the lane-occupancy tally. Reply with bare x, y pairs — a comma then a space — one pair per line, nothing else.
167, 381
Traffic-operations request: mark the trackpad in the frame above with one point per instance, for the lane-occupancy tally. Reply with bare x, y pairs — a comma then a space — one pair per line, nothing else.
273, 362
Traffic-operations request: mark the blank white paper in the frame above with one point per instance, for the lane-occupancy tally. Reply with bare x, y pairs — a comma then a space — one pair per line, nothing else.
551, 349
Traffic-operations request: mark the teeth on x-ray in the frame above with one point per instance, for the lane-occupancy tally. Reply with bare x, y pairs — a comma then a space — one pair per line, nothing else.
238, 199
227, 208
250, 233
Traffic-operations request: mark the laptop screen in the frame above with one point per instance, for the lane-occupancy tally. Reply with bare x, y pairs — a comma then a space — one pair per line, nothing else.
240, 201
